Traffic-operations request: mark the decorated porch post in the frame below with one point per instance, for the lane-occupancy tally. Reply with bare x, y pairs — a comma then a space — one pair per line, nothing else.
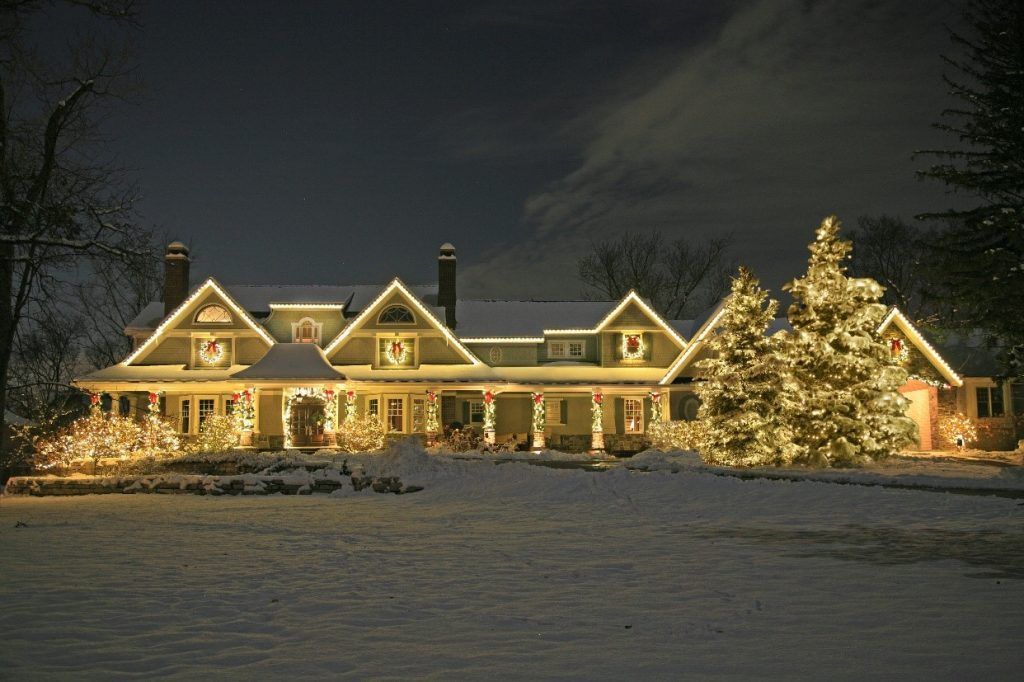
432, 423
330, 417
657, 415
538, 421
350, 408
489, 417
245, 415
597, 422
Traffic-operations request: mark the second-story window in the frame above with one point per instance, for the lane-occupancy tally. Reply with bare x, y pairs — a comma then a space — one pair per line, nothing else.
306, 330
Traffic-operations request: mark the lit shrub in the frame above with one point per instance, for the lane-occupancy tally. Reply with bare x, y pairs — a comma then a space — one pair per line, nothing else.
361, 434
959, 430
675, 435
218, 433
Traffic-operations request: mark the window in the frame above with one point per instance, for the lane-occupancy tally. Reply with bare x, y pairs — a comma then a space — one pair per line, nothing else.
397, 352
1017, 397
306, 330
556, 349
633, 412
553, 412
213, 314
229, 407
495, 355
207, 408
418, 416
990, 401
373, 407
186, 416
396, 314
476, 412
395, 415
576, 349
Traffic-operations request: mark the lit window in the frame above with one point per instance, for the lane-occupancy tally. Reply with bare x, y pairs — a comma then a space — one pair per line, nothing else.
418, 416
186, 415
552, 411
633, 411
396, 314
229, 407
206, 410
556, 349
990, 401
214, 314
306, 330
373, 407
395, 415
576, 349
476, 412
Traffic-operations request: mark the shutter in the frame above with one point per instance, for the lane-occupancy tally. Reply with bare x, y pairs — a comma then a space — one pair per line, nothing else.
565, 414
620, 416
465, 413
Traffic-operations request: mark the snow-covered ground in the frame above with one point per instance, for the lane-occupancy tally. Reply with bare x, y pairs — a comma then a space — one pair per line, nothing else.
518, 571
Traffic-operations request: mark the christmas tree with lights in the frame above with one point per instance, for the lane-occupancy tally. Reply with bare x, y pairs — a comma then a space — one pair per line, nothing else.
743, 384
843, 402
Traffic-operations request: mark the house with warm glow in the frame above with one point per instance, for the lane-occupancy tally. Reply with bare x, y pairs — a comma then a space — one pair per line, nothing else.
577, 375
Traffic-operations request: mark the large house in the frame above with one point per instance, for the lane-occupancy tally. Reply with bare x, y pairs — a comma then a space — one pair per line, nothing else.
578, 375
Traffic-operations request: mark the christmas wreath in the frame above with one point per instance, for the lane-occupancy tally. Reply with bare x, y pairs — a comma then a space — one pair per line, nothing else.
211, 352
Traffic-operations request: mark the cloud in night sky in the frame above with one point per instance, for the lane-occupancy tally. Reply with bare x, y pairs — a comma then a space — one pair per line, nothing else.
790, 111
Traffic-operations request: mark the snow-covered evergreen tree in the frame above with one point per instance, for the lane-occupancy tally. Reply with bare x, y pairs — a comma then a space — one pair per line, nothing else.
742, 384
844, 406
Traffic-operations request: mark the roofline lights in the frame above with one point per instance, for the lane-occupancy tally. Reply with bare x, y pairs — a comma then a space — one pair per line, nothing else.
695, 343
396, 283
910, 330
306, 306
210, 283
504, 339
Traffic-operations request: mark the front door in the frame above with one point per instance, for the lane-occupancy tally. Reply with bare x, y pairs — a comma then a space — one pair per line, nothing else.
307, 424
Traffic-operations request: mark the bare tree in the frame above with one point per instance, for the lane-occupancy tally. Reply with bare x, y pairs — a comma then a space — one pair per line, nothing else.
895, 254
679, 278
60, 200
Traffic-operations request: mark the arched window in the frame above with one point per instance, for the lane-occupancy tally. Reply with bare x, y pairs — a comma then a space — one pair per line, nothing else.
395, 314
306, 330
214, 313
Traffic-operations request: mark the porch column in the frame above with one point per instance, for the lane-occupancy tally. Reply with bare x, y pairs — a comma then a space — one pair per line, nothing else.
490, 407
115, 404
331, 417
538, 422
246, 414
350, 407
597, 422
432, 423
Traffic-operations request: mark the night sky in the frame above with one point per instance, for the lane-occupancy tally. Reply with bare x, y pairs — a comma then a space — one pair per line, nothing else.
344, 142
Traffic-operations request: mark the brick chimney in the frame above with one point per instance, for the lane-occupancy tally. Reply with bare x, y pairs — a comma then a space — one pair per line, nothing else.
176, 264
446, 283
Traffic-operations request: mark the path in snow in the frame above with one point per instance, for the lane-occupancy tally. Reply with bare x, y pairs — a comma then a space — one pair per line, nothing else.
518, 570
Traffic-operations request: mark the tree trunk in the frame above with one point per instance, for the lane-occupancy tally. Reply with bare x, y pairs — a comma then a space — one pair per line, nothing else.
6, 345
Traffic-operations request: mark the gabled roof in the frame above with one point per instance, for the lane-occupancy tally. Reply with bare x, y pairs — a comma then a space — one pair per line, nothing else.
894, 316
696, 343
209, 285
304, 361
397, 285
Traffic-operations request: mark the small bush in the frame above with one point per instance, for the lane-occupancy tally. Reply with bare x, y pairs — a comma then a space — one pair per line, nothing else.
361, 434
217, 434
675, 435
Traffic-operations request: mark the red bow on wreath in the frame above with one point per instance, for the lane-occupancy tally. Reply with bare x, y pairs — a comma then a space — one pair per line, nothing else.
488, 397
896, 345
538, 398
598, 398
633, 343
153, 398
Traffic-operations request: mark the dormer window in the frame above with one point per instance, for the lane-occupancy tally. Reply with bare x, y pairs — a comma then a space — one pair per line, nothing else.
213, 314
306, 330
396, 314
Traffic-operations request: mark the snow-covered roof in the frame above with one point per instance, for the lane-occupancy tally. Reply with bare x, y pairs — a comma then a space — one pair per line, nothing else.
292, 361
482, 318
122, 373
541, 374
148, 318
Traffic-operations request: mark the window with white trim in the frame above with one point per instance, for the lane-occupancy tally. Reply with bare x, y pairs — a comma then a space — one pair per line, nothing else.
306, 330
476, 412
186, 415
633, 415
576, 349
396, 314
229, 407
213, 314
418, 416
207, 408
553, 411
396, 414
373, 407
556, 349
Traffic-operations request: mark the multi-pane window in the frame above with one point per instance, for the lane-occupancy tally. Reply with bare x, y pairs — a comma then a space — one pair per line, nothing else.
552, 411
207, 408
186, 415
1017, 397
395, 414
214, 314
307, 331
633, 412
229, 407
396, 314
418, 416
575, 349
373, 407
990, 401
556, 349
476, 412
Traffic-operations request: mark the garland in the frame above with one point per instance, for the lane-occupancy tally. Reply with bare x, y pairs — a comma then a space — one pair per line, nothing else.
396, 352
633, 346
244, 410
489, 419
211, 351
538, 412
655, 407
433, 425
350, 408
597, 413
293, 394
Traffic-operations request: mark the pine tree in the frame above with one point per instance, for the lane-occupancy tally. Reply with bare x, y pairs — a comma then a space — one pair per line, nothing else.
844, 408
743, 384
980, 256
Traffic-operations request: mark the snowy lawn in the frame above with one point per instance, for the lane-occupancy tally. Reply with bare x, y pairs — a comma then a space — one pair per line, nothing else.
522, 571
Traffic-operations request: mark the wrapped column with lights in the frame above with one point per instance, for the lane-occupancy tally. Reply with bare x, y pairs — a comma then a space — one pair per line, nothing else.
432, 423
538, 421
597, 422
489, 417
